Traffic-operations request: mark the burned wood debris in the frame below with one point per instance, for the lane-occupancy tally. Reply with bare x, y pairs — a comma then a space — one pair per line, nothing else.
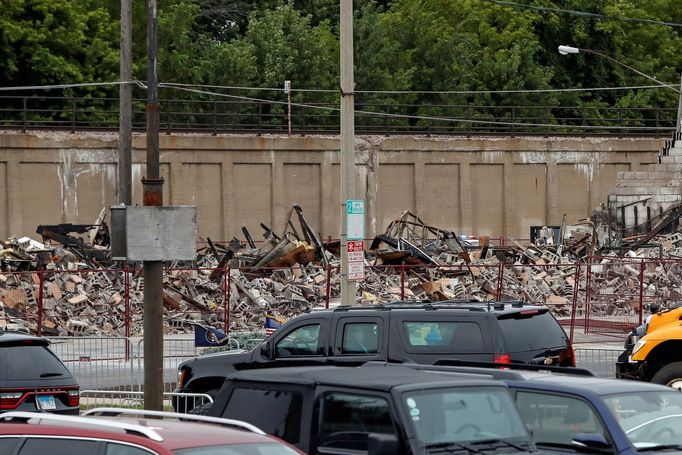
69, 277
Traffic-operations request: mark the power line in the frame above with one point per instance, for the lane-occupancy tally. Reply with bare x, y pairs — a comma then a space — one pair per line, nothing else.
391, 92
435, 92
56, 86
545, 9
413, 117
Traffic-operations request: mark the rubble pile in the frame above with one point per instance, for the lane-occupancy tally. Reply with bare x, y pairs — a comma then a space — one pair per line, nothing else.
84, 293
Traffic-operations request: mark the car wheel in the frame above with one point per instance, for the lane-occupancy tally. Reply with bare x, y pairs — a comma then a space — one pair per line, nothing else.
670, 375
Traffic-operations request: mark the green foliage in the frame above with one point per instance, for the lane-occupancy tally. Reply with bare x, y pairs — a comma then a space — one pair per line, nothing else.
418, 46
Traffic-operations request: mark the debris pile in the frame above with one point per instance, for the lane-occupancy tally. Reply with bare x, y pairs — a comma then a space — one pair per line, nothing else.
84, 293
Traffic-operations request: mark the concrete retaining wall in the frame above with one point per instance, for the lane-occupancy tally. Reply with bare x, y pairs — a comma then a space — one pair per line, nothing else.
495, 186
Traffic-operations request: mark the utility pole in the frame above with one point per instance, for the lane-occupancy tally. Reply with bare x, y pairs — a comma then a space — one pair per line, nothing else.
678, 125
125, 120
153, 270
347, 86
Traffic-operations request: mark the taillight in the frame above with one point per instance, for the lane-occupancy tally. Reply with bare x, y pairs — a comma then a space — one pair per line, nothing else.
74, 397
181, 377
567, 356
10, 400
502, 358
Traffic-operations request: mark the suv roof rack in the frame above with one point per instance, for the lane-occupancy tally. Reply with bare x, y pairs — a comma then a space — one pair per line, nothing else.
509, 371
180, 416
514, 366
57, 419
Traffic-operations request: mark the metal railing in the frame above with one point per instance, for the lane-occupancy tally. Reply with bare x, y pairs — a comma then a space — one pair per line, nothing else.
602, 295
372, 117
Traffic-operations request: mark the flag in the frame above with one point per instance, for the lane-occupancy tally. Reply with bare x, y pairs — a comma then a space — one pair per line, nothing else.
272, 323
208, 336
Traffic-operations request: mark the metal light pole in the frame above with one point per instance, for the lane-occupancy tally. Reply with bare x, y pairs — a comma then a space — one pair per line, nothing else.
153, 270
125, 120
348, 287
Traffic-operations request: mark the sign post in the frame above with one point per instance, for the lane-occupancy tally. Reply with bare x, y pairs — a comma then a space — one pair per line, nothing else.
355, 245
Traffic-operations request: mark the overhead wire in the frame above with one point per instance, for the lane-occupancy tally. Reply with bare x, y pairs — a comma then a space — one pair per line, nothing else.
58, 86
436, 92
596, 16
405, 116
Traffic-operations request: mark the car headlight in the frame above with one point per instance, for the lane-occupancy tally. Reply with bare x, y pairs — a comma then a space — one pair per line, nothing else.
639, 345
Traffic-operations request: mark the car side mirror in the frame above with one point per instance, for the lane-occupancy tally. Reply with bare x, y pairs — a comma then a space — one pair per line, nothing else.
266, 350
382, 444
590, 441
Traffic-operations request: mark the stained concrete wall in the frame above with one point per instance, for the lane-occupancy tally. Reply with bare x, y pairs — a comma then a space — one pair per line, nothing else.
495, 186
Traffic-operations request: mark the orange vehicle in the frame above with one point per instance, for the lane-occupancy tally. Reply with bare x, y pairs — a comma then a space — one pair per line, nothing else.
653, 351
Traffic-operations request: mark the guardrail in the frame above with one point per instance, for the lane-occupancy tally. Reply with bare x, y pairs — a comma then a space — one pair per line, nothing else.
372, 117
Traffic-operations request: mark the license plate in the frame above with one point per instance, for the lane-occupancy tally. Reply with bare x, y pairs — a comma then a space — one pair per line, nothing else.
46, 402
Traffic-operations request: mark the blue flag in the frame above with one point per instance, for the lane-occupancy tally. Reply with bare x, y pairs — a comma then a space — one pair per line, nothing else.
208, 336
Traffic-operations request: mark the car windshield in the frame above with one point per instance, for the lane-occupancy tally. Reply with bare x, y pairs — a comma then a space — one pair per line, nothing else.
649, 419
464, 415
239, 449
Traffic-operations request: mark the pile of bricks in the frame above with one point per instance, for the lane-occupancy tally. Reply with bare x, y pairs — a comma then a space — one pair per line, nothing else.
289, 274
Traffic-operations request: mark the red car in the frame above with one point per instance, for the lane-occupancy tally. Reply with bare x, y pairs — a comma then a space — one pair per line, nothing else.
144, 433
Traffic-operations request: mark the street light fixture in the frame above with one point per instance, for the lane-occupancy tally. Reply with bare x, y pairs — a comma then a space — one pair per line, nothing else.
566, 50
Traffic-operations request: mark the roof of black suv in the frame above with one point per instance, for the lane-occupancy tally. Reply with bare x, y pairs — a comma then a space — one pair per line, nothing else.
499, 308
10, 337
379, 378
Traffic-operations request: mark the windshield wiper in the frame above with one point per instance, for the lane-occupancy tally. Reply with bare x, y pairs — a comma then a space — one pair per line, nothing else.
449, 445
660, 447
47, 375
497, 443
569, 447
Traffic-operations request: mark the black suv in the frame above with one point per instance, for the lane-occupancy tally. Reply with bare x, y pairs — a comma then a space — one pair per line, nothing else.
423, 333
379, 410
32, 378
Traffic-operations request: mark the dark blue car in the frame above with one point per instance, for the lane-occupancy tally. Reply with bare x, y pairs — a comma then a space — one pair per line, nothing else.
579, 413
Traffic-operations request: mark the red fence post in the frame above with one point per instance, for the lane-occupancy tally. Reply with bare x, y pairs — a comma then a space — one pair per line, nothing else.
402, 281
328, 290
500, 275
641, 291
588, 291
41, 282
228, 284
574, 308
225, 303
126, 316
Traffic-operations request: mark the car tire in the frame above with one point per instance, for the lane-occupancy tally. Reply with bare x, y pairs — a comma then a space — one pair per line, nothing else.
670, 375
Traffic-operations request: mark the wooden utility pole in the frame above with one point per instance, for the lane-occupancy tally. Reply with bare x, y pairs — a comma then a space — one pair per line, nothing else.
153, 270
347, 85
125, 117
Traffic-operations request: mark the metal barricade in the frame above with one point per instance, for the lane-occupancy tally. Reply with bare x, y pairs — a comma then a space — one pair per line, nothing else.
96, 362
602, 362
175, 351
90, 399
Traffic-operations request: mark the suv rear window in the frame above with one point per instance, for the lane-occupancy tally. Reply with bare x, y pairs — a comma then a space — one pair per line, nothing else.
461, 336
523, 333
29, 361
277, 412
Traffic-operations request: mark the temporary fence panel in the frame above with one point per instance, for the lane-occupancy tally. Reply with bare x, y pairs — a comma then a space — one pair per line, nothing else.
175, 351
90, 399
602, 362
96, 362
